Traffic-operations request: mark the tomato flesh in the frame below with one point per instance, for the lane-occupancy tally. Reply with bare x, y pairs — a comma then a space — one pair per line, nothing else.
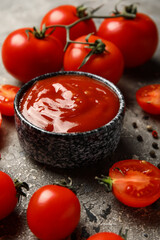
136, 183
7, 95
105, 236
53, 212
148, 98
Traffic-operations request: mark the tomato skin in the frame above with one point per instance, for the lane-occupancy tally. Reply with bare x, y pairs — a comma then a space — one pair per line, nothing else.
137, 183
65, 15
7, 95
136, 38
108, 64
105, 236
8, 196
26, 57
148, 98
53, 212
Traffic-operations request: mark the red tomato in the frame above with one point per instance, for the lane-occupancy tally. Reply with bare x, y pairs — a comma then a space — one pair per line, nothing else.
65, 15
0, 119
53, 212
8, 196
108, 64
135, 183
148, 97
7, 95
136, 38
105, 236
26, 57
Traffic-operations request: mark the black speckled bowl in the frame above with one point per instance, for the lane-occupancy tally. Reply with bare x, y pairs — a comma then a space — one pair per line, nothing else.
68, 150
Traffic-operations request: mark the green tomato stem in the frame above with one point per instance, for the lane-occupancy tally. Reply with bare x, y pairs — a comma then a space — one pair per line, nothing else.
106, 181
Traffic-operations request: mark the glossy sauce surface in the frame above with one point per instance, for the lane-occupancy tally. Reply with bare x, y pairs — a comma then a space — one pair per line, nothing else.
69, 103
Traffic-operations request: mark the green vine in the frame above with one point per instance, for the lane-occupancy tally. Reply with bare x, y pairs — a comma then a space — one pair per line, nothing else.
127, 13
96, 47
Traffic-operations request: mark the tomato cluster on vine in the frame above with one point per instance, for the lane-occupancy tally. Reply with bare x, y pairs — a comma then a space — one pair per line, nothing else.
126, 39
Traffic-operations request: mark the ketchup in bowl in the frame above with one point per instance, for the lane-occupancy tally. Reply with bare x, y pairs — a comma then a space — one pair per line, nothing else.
69, 103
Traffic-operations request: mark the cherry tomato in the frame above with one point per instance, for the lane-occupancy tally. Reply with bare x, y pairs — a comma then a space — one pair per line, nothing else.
8, 196
105, 236
108, 64
65, 15
26, 56
53, 212
7, 95
148, 97
136, 183
0, 119
136, 38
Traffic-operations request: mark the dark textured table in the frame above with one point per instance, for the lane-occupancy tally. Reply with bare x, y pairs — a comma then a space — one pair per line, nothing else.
100, 211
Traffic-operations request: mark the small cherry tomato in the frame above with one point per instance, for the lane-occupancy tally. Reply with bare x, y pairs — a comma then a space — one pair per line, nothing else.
136, 183
137, 38
65, 15
9, 194
148, 98
107, 60
53, 212
7, 95
105, 236
26, 54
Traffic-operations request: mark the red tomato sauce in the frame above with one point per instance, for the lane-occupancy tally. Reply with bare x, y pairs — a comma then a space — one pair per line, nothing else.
69, 103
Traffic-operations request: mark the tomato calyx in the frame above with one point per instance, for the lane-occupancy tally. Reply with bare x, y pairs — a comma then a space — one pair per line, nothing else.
96, 47
67, 184
82, 11
129, 11
106, 181
40, 34
123, 235
19, 185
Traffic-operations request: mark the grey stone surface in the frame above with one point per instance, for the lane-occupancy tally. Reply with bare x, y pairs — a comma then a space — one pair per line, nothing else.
100, 211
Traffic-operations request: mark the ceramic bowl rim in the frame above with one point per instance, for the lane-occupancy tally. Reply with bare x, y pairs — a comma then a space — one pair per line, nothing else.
27, 85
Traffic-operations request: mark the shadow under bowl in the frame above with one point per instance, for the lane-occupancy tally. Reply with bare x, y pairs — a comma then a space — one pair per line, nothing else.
68, 150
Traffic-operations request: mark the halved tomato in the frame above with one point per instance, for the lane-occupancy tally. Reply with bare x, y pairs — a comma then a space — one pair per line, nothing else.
7, 95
